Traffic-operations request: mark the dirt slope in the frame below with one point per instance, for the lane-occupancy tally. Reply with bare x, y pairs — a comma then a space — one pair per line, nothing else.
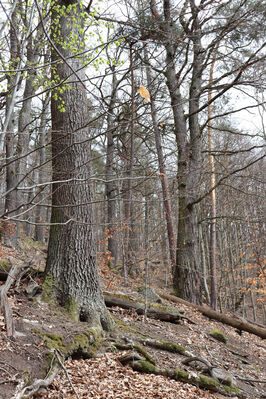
26, 357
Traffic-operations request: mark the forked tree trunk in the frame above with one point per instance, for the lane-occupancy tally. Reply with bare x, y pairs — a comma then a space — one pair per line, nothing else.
187, 277
71, 262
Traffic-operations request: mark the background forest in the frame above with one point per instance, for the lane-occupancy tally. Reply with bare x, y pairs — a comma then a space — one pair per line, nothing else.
175, 184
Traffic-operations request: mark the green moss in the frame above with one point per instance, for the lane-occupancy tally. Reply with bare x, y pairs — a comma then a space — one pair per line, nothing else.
232, 390
144, 353
54, 341
122, 296
218, 336
138, 348
48, 289
207, 381
170, 347
125, 327
87, 343
83, 344
228, 382
72, 309
4, 264
148, 367
181, 375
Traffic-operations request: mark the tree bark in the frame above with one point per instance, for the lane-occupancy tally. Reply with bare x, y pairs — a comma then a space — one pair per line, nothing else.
187, 280
213, 266
40, 213
10, 234
110, 185
163, 178
71, 261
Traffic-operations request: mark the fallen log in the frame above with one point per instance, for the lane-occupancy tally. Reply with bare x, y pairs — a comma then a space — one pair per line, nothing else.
239, 324
154, 313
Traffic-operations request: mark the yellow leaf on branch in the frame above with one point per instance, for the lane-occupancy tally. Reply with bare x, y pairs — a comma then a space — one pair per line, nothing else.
145, 94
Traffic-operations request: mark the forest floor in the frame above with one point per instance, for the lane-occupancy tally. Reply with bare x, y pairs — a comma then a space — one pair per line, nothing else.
24, 358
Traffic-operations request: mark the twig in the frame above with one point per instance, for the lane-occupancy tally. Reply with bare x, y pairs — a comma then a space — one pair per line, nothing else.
7, 372
250, 380
66, 372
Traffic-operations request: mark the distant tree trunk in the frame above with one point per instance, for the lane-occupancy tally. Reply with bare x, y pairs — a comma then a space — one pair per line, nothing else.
40, 213
24, 124
187, 280
128, 194
163, 179
9, 131
213, 265
71, 261
110, 184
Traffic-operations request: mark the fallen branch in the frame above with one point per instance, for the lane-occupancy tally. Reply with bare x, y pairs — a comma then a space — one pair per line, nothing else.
251, 380
239, 324
66, 373
152, 312
29, 390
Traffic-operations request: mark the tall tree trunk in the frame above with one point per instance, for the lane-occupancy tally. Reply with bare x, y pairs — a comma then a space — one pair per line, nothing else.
187, 279
110, 184
25, 122
71, 261
128, 207
40, 212
213, 266
163, 178
10, 234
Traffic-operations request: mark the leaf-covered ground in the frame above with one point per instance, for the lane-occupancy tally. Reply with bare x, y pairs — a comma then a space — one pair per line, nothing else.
104, 377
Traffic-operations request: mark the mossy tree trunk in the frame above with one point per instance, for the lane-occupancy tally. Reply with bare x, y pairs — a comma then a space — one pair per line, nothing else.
71, 262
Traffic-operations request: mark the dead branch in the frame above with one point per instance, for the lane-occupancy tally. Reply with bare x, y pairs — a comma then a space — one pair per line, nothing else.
152, 312
239, 324
28, 391
4, 304
66, 372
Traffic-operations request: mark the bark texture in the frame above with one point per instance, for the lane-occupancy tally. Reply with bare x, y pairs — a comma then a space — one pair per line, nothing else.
187, 279
71, 262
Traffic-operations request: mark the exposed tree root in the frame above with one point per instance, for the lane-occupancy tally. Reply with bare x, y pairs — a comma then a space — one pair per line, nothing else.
144, 366
30, 390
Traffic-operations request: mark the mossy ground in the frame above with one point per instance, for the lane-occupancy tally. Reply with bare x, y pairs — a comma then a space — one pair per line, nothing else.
139, 349
218, 335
